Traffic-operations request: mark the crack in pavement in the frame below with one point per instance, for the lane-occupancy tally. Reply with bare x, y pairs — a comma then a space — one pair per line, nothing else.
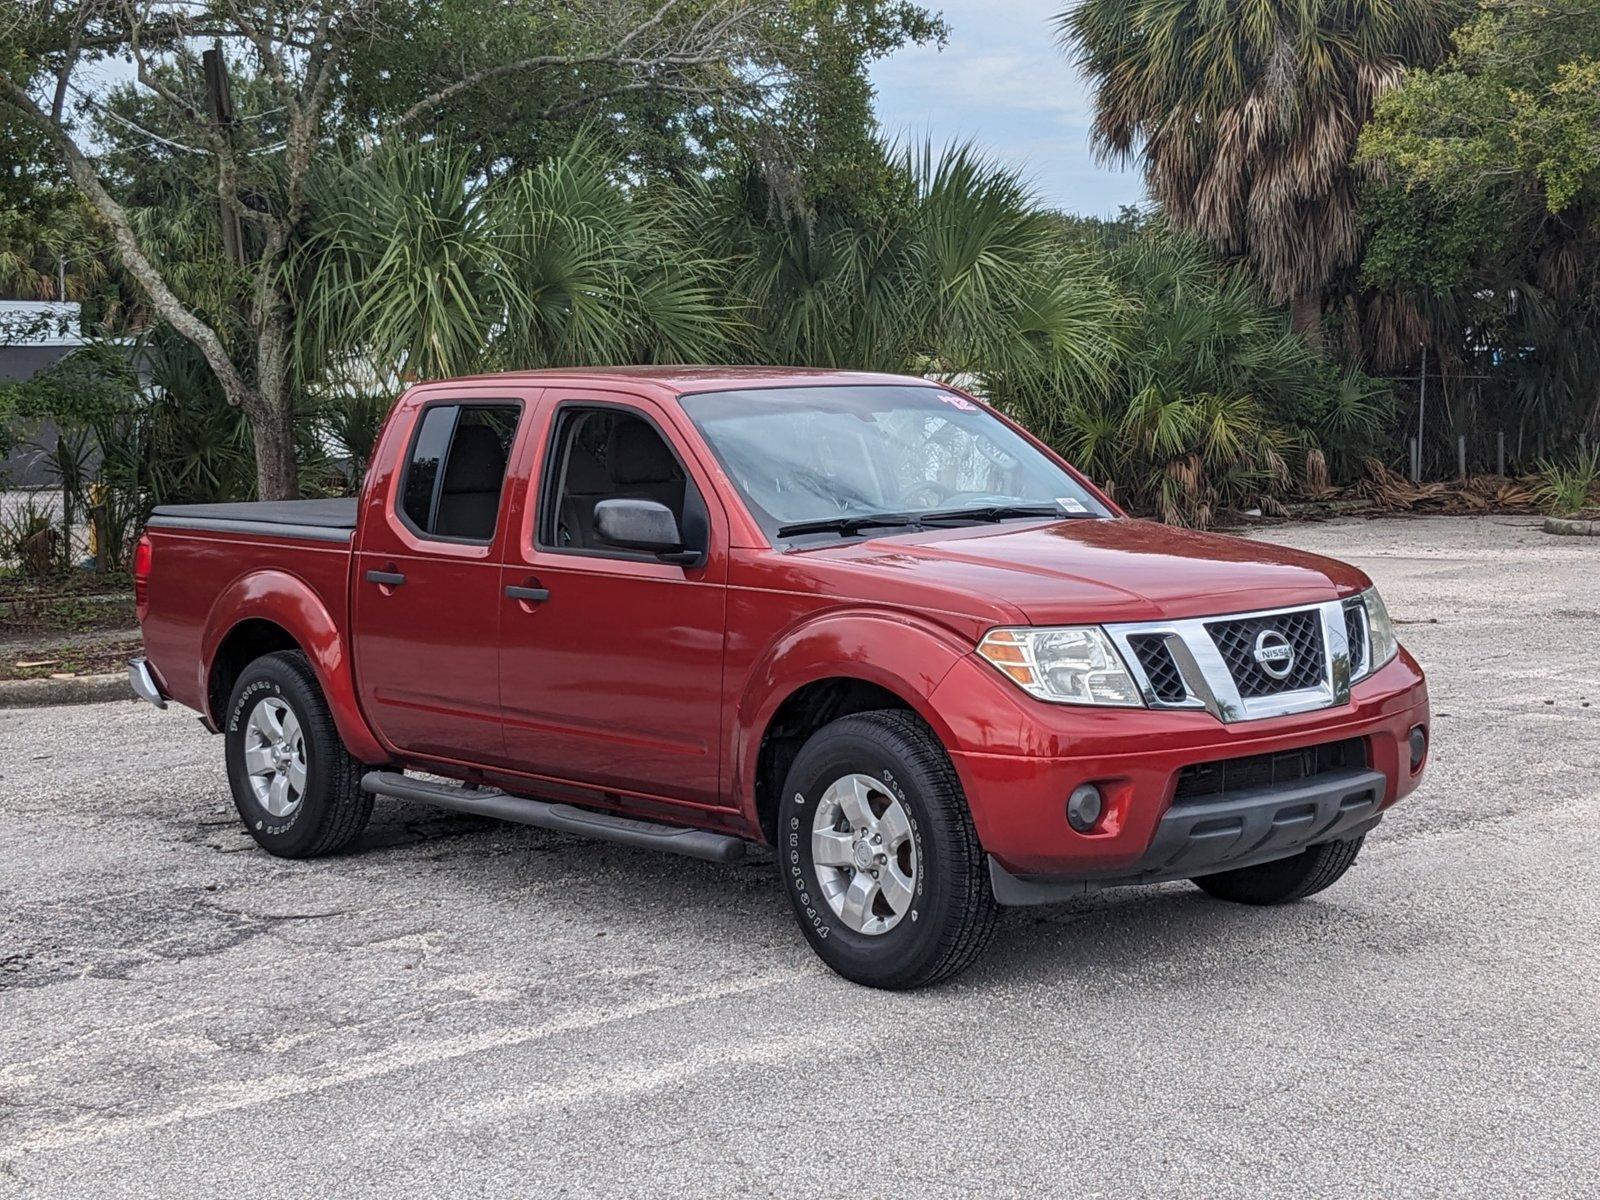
244, 1094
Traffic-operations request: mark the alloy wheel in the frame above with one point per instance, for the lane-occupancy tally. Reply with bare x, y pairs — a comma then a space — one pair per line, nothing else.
275, 756
864, 855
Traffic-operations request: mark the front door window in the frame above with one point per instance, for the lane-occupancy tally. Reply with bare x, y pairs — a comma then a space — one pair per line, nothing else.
608, 454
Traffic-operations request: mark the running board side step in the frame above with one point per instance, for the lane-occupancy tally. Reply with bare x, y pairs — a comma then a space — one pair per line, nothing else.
566, 818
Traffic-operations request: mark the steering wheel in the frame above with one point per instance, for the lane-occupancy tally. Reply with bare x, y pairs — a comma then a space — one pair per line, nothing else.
935, 495
924, 495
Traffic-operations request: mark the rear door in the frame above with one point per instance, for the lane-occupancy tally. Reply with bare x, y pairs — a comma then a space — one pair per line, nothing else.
427, 580
610, 660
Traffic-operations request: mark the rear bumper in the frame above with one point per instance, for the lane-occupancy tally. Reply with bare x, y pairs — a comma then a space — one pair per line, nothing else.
143, 681
1017, 772
1241, 829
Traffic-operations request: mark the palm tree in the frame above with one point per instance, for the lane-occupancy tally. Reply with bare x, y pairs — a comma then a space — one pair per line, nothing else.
960, 272
1214, 398
415, 266
1245, 114
57, 258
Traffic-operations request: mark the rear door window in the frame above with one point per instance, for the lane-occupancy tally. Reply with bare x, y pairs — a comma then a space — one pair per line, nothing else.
456, 470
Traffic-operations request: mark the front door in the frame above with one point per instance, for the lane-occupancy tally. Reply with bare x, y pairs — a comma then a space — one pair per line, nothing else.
611, 660
427, 584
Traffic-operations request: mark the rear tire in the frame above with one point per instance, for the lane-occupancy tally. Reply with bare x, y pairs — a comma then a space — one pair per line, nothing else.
297, 788
901, 898
1287, 879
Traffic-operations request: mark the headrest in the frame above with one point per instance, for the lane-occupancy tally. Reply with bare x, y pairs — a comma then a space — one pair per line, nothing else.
635, 453
585, 475
477, 463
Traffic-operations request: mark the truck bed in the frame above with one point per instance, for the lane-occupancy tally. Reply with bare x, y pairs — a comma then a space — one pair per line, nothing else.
318, 520
203, 557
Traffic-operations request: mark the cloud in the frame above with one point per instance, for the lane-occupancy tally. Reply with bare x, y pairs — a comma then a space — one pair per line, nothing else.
1005, 84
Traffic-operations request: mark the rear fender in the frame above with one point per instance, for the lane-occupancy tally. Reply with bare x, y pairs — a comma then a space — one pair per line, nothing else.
290, 603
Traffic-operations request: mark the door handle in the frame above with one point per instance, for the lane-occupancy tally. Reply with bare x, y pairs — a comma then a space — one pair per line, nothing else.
533, 595
386, 578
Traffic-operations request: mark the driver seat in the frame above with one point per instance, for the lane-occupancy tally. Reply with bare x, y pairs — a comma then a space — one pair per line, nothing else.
641, 466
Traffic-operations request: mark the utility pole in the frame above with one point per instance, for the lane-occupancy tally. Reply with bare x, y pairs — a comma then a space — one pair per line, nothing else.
220, 100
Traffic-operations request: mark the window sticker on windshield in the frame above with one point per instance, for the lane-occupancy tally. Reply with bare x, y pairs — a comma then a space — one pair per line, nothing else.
1070, 504
960, 402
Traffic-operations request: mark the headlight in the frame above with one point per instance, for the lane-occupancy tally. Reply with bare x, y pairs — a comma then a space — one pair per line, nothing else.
1382, 645
1065, 666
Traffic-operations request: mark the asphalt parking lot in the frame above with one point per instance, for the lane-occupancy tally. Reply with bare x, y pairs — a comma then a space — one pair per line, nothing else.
464, 1008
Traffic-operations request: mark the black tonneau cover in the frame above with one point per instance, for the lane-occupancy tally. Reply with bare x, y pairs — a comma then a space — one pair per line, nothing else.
319, 520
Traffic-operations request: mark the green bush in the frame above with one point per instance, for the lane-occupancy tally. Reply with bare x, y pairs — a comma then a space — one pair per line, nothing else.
1565, 488
29, 540
1212, 402
124, 444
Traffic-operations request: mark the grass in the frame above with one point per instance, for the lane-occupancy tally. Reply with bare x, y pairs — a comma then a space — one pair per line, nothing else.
67, 614
15, 585
73, 623
76, 602
44, 660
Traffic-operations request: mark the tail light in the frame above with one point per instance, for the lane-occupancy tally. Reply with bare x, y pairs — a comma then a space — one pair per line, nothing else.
143, 557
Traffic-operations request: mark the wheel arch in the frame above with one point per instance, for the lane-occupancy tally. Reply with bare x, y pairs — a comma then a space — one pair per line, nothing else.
830, 668
245, 641
273, 610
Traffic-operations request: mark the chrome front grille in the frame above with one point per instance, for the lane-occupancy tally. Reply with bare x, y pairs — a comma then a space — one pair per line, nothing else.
1244, 666
1160, 668
1355, 632
1302, 631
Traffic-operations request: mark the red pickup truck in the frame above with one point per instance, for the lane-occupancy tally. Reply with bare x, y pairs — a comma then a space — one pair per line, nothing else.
862, 619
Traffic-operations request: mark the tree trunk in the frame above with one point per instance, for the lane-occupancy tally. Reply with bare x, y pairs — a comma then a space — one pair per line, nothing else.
1305, 317
277, 473
272, 416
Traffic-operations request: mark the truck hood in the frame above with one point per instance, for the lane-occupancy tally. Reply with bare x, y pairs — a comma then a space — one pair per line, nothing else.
1093, 571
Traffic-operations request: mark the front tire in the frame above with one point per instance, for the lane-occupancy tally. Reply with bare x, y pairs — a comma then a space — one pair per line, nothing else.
297, 788
1287, 879
879, 856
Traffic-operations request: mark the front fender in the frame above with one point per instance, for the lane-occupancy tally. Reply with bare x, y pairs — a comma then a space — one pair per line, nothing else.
894, 651
292, 604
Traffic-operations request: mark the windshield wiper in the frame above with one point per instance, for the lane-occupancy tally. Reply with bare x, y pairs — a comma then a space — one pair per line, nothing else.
999, 512
848, 526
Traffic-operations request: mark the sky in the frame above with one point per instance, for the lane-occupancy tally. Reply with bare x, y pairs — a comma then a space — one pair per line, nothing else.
1003, 83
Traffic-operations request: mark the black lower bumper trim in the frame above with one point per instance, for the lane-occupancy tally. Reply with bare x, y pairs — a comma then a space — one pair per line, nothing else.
1239, 829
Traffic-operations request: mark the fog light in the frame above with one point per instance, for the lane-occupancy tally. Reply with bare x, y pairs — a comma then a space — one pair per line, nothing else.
1084, 807
1419, 746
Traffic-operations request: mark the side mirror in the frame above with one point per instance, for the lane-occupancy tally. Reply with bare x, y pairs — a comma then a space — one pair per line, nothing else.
643, 525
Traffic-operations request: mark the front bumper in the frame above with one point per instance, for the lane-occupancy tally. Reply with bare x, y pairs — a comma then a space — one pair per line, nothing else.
1240, 829
1018, 767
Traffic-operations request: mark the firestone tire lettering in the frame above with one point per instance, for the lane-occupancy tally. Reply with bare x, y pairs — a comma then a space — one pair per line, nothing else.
952, 910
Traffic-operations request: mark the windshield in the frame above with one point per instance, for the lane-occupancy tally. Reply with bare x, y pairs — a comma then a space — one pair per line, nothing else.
823, 455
